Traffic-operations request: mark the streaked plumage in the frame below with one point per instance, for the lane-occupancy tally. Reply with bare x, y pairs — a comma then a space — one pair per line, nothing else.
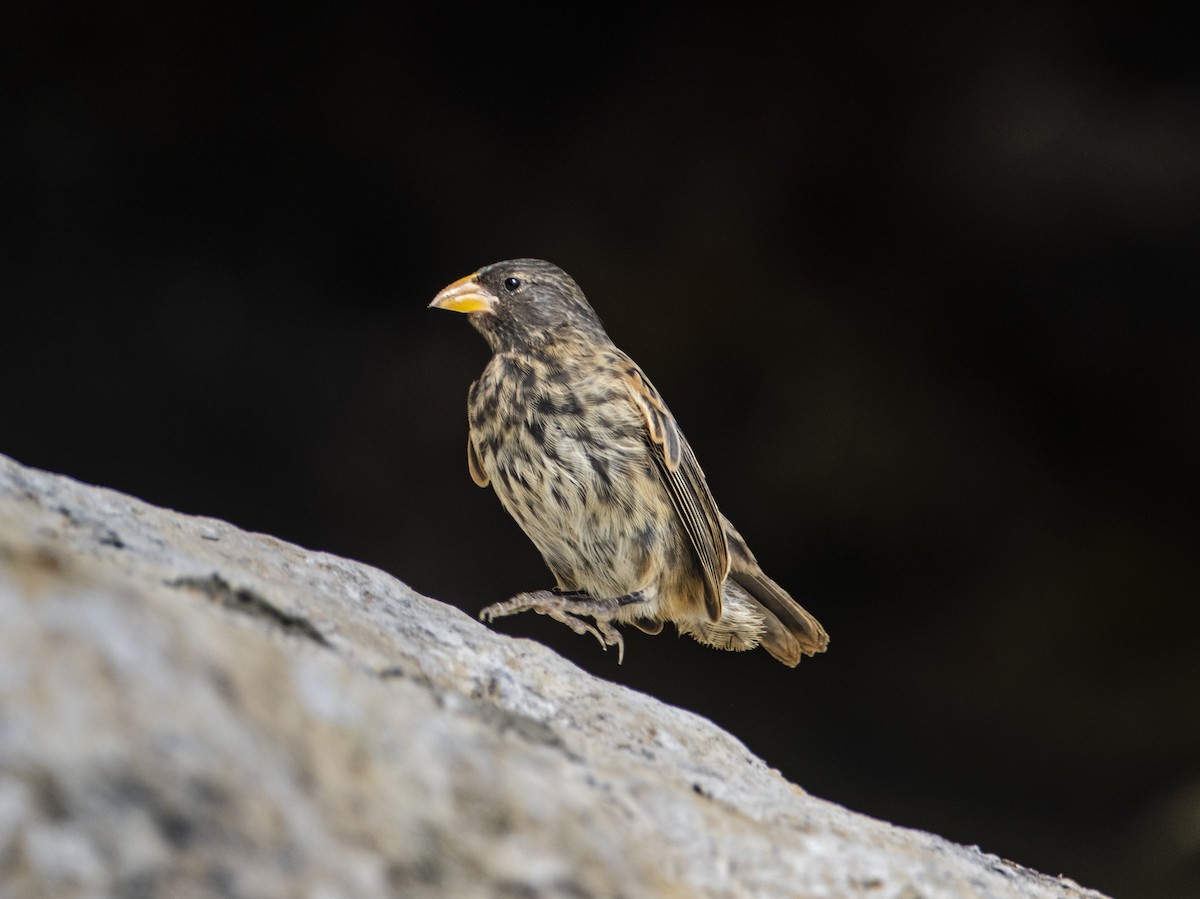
585, 455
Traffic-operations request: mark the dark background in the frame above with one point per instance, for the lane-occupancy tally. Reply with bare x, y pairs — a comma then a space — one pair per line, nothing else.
921, 287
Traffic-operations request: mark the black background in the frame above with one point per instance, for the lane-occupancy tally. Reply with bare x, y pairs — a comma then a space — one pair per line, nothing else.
921, 288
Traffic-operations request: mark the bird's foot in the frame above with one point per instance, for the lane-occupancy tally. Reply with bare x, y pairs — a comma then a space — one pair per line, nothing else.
568, 608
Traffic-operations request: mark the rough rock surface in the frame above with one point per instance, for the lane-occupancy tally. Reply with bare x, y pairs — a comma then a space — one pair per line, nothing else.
187, 710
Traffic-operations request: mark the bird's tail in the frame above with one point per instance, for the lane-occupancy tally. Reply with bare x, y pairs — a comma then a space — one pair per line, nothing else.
789, 631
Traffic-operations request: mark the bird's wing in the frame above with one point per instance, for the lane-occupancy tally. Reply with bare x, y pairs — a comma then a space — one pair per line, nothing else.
686, 485
474, 465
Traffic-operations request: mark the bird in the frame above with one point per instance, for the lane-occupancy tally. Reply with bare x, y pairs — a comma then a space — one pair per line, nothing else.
584, 454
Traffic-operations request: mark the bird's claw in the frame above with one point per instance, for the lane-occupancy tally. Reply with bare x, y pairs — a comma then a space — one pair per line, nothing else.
566, 609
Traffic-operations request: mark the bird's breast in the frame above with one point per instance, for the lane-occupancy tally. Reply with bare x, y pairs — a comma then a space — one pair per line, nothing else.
566, 453
556, 433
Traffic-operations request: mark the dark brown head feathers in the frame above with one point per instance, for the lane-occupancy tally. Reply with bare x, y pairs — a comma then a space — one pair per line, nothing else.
536, 303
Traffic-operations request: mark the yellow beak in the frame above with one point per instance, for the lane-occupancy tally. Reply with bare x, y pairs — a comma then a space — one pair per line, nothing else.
465, 295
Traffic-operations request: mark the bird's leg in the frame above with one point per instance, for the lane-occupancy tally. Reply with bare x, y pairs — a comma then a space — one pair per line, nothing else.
567, 607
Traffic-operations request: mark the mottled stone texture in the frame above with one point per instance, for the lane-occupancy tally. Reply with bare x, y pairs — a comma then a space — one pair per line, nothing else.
187, 709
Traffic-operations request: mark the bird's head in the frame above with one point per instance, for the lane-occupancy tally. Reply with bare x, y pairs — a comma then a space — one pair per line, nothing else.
522, 304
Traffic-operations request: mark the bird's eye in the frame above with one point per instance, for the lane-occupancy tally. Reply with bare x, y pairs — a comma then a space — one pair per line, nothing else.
511, 284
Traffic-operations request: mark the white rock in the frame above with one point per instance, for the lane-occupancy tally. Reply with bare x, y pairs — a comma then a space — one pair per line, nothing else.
187, 709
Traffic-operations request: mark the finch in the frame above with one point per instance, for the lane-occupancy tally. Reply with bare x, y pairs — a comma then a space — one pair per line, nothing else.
585, 455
